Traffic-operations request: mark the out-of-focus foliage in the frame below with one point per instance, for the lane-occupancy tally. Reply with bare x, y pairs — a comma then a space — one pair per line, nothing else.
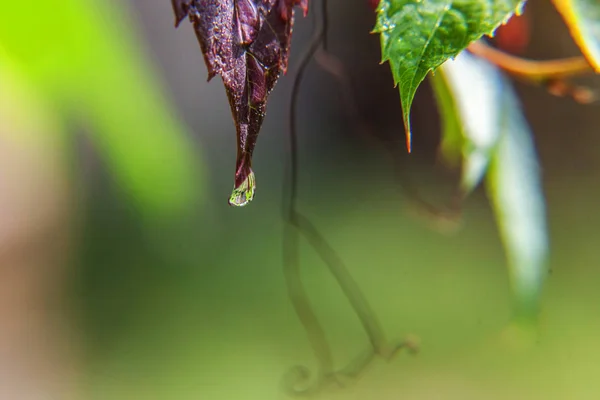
583, 19
419, 36
83, 59
472, 129
484, 124
514, 186
24, 113
201, 312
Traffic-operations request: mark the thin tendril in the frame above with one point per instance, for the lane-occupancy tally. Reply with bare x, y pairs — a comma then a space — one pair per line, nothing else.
316, 335
297, 381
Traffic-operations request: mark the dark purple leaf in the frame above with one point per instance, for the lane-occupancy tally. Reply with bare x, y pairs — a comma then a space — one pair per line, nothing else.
247, 43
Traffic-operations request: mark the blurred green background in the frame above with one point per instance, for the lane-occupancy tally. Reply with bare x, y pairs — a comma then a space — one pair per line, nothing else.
125, 274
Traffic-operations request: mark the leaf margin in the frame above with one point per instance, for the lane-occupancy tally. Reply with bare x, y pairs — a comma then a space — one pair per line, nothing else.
566, 9
383, 25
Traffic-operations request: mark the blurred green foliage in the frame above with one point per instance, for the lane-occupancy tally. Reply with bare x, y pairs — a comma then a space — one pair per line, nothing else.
84, 59
200, 324
484, 125
183, 314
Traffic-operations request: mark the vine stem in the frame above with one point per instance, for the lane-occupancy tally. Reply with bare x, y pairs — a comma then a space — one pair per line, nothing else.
299, 224
553, 74
538, 71
291, 264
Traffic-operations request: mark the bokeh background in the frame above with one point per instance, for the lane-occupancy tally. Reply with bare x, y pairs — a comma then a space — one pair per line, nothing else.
124, 274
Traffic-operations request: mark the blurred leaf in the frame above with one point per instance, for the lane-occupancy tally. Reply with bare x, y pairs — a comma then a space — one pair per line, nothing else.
469, 129
418, 36
583, 20
514, 186
24, 114
84, 58
496, 142
452, 139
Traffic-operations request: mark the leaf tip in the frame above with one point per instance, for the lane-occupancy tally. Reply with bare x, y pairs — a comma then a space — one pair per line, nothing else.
408, 132
180, 7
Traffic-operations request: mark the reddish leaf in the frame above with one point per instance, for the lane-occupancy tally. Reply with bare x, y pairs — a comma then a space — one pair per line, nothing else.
247, 43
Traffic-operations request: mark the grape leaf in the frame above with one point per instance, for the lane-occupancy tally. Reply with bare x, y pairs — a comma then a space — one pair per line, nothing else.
417, 36
583, 19
247, 43
498, 145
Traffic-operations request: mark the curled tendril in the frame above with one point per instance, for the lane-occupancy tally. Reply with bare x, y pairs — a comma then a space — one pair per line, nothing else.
299, 381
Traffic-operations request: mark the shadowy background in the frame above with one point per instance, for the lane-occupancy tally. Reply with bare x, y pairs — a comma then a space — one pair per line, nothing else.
103, 296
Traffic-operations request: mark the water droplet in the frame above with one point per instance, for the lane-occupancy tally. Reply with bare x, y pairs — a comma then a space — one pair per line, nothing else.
244, 193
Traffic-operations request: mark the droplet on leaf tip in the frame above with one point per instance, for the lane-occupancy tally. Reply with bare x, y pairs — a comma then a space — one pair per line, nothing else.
244, 193
408, 137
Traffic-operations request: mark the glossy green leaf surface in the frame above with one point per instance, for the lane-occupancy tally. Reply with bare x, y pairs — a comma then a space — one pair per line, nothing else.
417, 36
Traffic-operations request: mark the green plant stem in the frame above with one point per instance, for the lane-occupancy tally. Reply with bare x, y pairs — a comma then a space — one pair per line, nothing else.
297, 380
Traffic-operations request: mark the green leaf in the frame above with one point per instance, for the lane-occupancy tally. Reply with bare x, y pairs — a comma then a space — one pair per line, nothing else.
469, 131
583, 20
496, 144
453, 136
417, 36
84, 59
514, 187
